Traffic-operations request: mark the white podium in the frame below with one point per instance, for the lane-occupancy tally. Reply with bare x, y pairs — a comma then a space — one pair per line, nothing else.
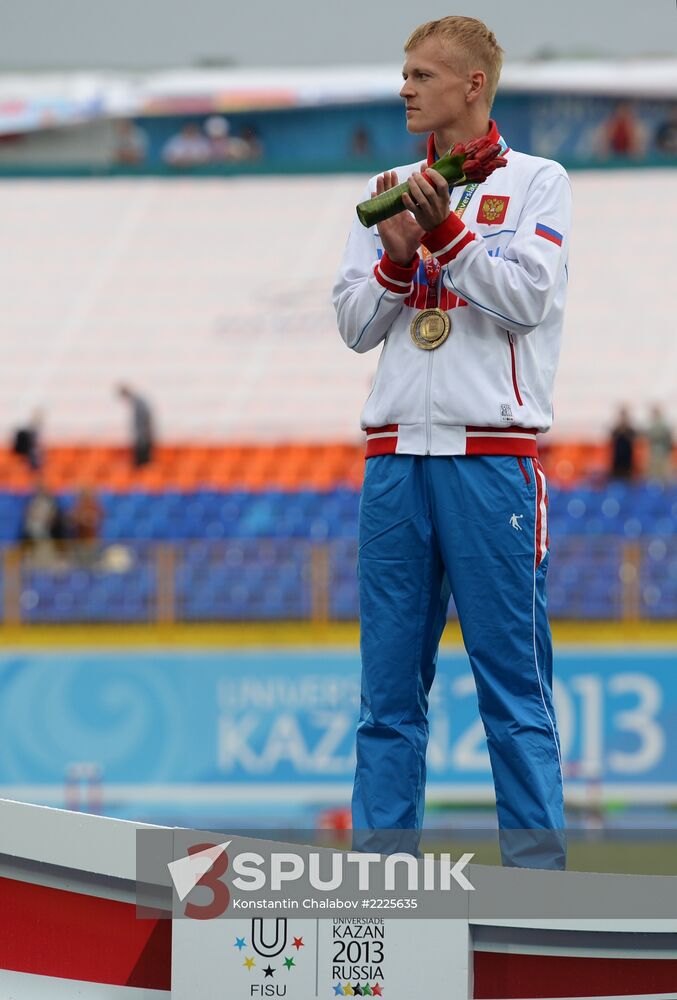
69, 928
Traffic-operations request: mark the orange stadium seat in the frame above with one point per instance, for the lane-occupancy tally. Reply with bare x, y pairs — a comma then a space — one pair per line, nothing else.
288, 467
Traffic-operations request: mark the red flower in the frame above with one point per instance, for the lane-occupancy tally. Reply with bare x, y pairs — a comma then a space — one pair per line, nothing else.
480, 158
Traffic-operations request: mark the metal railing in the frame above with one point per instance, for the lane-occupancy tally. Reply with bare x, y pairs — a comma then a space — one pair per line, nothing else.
590, 577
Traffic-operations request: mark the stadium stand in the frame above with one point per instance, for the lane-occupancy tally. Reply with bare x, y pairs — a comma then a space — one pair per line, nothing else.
217, 307
199, 291
239, 555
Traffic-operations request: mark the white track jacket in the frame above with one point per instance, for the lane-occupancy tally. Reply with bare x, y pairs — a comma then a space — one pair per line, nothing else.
488, 388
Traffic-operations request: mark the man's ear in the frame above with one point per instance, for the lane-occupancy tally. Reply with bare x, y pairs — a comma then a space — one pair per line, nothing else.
477, 81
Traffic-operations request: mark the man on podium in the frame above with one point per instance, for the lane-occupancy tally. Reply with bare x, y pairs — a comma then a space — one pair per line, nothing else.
464, 292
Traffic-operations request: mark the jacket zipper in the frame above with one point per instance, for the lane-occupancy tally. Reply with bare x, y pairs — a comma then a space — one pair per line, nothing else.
429, 375
513, 362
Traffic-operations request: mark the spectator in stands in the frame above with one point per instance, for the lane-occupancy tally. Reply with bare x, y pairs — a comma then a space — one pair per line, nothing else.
131, 147
43, 528
224, 147
622, 136
665, 138
251, 136
142, 426
85, 518
188, 148
27, 442
623, 437
660, 441
360, 143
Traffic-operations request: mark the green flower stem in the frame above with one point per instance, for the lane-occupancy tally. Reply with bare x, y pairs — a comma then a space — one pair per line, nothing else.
390, 203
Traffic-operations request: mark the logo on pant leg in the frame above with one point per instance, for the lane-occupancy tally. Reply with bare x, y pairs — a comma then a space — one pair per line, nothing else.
515, 522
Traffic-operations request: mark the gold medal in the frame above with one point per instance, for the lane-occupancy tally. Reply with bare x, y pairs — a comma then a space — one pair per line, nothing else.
432, 325
430, 328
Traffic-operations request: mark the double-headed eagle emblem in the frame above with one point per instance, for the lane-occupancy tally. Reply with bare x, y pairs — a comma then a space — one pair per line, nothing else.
492, 208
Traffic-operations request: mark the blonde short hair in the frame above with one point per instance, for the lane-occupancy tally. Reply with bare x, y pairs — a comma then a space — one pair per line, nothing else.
473, 42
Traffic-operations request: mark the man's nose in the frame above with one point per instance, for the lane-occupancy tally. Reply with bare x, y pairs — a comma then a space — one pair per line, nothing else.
407, 89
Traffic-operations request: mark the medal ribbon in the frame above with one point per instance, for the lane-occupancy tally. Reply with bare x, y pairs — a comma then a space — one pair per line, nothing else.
431, 264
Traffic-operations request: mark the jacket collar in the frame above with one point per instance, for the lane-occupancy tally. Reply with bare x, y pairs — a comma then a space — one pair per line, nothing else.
492, 134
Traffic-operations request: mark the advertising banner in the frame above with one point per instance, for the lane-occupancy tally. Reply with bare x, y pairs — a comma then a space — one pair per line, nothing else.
278, 727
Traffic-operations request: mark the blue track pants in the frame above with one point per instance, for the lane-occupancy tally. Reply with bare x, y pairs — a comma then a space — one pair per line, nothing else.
474, 527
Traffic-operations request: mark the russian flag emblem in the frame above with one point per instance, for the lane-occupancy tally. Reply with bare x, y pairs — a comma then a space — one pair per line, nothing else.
549, 234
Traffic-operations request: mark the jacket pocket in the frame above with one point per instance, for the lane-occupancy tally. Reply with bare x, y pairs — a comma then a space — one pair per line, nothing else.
513, 367
542, 535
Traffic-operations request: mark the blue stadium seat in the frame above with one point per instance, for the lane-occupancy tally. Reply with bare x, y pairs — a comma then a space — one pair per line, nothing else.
241, 555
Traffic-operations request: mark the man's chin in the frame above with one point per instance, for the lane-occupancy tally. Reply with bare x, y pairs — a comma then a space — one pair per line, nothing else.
414, 128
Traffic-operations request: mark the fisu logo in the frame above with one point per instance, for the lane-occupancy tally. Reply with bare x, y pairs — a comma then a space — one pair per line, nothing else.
272, 947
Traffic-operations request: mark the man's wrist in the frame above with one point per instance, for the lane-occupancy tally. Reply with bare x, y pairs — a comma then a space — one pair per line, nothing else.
400, 262
396, 277
448, 239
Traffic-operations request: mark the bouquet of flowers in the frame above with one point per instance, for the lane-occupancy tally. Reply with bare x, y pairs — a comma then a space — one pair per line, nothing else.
465, 163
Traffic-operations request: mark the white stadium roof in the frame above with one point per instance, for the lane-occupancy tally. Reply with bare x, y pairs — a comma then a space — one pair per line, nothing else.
33, 101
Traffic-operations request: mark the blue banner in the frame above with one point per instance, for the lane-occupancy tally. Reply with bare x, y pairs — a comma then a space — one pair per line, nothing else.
279, 726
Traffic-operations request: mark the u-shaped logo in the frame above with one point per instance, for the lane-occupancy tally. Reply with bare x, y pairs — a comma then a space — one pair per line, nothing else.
269, 948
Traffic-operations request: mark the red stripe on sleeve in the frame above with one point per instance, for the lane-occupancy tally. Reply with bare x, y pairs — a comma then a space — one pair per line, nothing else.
443, 234
439, 238
396, 277
452, 254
